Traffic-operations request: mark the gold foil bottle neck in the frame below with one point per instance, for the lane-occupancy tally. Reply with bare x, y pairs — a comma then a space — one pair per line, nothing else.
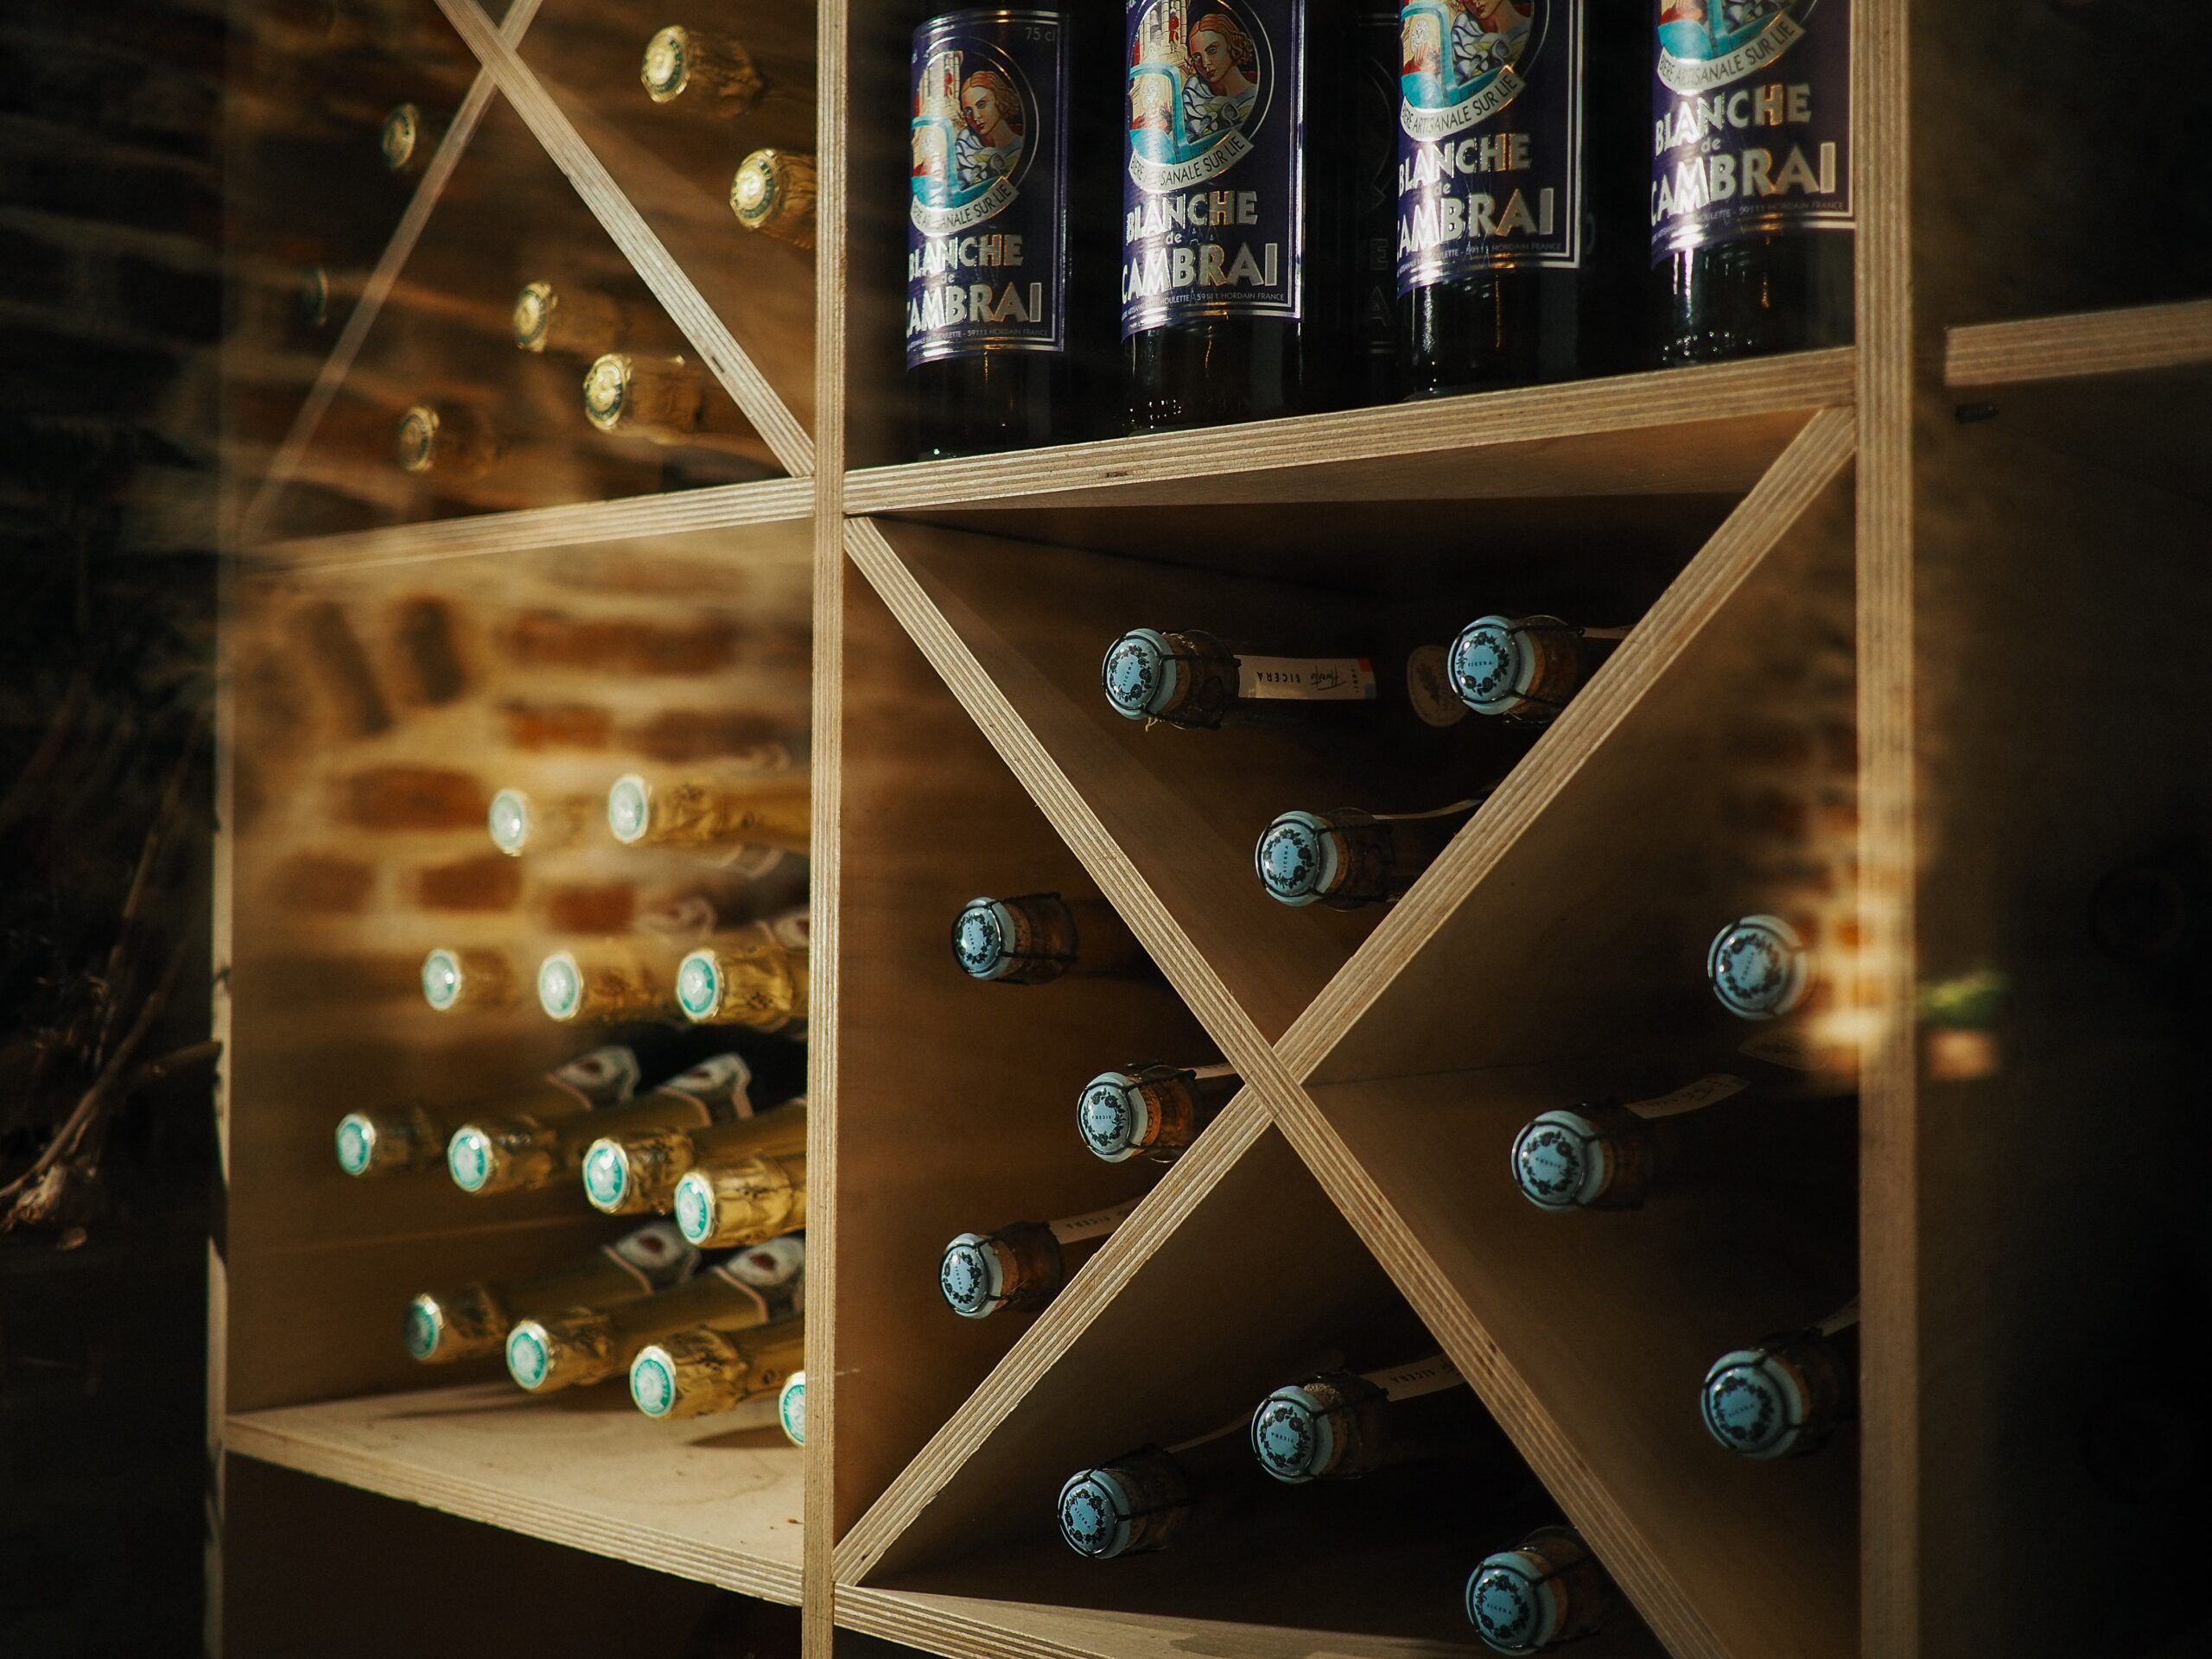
773, 193
377, 1143
600, 983
464, 1322
663, 398
695, 1373
713, 69
502, 1155
464, 979
561, 1350
742, 1201
763, 984
533, 315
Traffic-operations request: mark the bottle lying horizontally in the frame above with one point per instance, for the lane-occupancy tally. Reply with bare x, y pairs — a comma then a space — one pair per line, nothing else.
410, 136
513, 1152
1338, 1423
632, 977
791, 1408
446, 442
1151, 1110
1022, 1266
470, 979
665, 399
1789, 1394
374, 1142
1040, 937
767, 804
689, 69
1191, 678
698, 1372
1526, 668
1347, 858
471, 1321
522, 822
1546, 1592
589, 1343
773, 191
1147, 1498
566, 319
632, 1171
741, 1199
757, 977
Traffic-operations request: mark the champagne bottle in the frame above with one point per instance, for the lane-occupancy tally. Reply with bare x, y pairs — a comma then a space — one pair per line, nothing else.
1192, 679
697, 1372
567, 318
773, 193
1347, 858
705, 71
522, 822
1525, 668
465, 978
665, 399
451, 443
1338, 1424
1022, 1266
1151, 1110
742, 1199
589, 1343
471, 1321
757, 977
412, 1137
1146, 1499
1546, 1592
791, 1408
1039, 936
1761, 967
763, 807
408, 138
1788, 1396
633, 976
514, 1152
634, 1170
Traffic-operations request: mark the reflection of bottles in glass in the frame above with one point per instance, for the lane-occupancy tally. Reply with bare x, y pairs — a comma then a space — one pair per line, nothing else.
1348, 858
741, 1199
767, 807
791, 1408
1039, 936
589, 1343
758, 977
1789, 1394
1525, 668
471, 1321
522, 822
1023, 1266
636, 1170
696, 1373
410, 1137
1148, 1498
1547, 1591
466, 979
1151, 1110
709, 71
1193, 679
773, 193
568, 319
663, 398
1339, 1424
451, 442
515, 1151
613, 977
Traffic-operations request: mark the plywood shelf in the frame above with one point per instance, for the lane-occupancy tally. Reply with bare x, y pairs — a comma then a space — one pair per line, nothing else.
2139, 340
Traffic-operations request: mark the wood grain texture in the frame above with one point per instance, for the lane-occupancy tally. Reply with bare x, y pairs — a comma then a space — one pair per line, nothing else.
2131, 341
747, 387
699, 1499
1688, 432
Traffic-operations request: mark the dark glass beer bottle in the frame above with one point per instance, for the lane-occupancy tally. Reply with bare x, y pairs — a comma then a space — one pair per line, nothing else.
1374, 96
1236, 267
1751, 177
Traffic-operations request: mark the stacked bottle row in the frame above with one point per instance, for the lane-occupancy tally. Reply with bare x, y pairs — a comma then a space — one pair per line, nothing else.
1322, 205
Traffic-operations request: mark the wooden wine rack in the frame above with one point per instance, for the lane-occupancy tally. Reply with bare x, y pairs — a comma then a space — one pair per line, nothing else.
1948, 504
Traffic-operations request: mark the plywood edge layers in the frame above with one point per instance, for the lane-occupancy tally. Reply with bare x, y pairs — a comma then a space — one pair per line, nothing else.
1527, 439
1809, 465
2138, 340
1054, 1331
926, 1622
723, 357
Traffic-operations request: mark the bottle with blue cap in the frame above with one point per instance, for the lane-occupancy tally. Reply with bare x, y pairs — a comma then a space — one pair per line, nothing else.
1789, 1394
791, 1408
1339, 1424
1023, 1266
1190, 678
756, 977
1544, 1592
1151, 1110
635, 1171
1149, 1498
1525, 668
1037, 938
589, 1343
1347, 858
470, 979
471, 1321
767, 801
379, 1140
743, 1197
1762, 967
700, 1372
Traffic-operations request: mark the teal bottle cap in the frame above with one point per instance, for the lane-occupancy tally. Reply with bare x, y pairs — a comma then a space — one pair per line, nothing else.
1514, 1602
528, 1358
1097, 1514
425, 1327
1141, 675
972, 1276
1561, 1161
699, 985
441, 979
791, 1408
1113, 1116
694, 1207
652, 1382
1759, 968
1754, 1405
509, 821
983, 936
1297, 858
469, 1159
1293, 1436
357, 1144
560, 986
607, 1174
629, 809
1492, 666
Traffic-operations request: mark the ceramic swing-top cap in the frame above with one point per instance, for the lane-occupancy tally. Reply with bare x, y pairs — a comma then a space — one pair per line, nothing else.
1293, 1435
1561, 1160
629, 808
509, 821
1141, 675
1755, 1404
1492, 665
972, 1276
791, 1408
1759, 967
560, 986
1515, 1603
1114, 1116
666, 69
1297, 858
1097, 1514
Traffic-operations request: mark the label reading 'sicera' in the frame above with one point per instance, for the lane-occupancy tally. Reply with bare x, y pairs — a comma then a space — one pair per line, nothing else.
1751, 120
1212, 193
1490, 138
987, 251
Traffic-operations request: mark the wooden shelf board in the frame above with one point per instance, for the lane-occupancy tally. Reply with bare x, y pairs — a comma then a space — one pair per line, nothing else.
701, 1500
1696, 431
2135, 340
725, 506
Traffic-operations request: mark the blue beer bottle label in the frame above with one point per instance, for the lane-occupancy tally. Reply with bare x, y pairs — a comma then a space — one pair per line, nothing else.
1490, 138
987, 226
1751, 120
1212, 196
